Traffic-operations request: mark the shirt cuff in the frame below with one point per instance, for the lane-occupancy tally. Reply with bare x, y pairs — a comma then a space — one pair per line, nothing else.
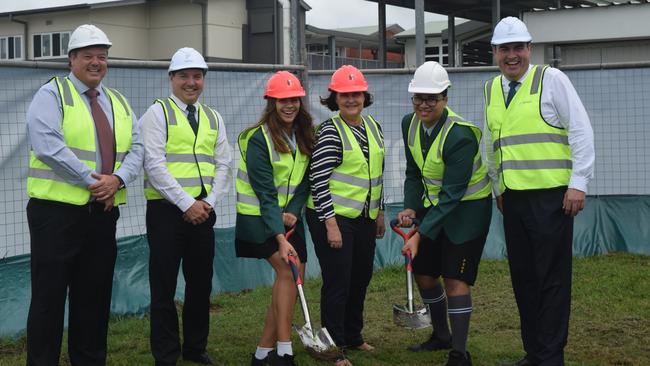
185, 203
579, 183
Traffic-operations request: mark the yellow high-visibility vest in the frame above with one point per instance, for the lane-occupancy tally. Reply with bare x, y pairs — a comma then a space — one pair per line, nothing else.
528, 152
288, 172
432, 167
355, 178
189, 157
79, 135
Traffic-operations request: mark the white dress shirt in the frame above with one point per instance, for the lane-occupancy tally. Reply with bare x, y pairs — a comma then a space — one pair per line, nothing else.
154, 130
561, 107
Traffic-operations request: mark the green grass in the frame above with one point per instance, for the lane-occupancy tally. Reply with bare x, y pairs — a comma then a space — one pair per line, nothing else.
610, 321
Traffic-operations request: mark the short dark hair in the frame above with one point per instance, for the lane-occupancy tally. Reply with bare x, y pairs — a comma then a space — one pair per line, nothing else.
330, 101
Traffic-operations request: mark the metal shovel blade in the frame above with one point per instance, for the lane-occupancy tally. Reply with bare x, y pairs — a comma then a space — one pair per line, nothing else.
418, 319
320, 341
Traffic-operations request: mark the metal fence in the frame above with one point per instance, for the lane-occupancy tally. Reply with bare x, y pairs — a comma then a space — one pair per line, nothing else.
615, 99
324, 62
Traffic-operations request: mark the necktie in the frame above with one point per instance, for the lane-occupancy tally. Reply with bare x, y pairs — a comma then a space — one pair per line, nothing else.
511, 92
190, 117
104, 133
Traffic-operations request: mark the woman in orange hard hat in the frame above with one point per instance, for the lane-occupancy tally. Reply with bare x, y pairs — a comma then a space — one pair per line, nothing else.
345, 210
272, 188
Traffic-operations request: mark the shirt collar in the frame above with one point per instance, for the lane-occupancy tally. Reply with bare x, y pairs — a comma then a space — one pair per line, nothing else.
81, 87
506, 82
182, 105
442, 119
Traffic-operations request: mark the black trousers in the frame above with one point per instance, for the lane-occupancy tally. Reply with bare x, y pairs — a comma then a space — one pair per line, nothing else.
346, 274
73, 251
539, 240
171, 240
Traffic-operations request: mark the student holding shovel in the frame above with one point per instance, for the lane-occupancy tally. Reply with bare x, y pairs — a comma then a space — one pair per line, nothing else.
447, 189
345, 213
271, 192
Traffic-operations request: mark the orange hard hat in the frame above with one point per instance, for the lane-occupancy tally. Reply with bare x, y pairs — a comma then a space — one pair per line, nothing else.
284, 84
348, 79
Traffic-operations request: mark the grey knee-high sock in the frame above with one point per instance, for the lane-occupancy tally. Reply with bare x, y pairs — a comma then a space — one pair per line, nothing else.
436, 300
460, 310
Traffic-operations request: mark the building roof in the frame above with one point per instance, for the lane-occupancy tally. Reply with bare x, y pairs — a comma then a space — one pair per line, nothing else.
36, 6
430, 28
481, 10
371, 30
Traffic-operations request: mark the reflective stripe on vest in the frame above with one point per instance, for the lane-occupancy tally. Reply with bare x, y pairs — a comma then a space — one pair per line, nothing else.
189, 157
528, 152
79, 135
288, 173
432, 166
355, 178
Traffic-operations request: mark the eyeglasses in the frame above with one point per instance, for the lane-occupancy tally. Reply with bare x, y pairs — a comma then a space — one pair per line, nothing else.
430, 101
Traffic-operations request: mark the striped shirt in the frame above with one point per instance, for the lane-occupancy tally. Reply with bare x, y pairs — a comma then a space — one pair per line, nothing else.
327, 155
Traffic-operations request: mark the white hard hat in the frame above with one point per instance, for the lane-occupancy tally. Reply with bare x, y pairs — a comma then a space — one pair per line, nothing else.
187, 58
87, 35
510, 30
429, 78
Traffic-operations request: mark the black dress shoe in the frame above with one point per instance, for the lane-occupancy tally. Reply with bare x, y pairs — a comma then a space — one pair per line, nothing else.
284, 360
457, 358
202, 358
523, 362
256, 362
432, 344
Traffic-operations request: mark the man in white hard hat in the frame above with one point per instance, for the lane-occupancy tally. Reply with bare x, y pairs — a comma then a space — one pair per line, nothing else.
85, 147
187, 166
448, 191
541, 154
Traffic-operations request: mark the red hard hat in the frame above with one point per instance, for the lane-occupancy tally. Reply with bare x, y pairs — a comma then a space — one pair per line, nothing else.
284, 84
348, 79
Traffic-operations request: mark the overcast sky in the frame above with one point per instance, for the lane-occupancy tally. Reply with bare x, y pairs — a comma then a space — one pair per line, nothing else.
324, 13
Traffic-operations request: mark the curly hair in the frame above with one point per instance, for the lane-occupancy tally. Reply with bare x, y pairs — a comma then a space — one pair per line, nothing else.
330, 101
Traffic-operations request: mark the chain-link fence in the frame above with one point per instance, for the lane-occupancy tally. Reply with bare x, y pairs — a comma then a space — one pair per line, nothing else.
615, 99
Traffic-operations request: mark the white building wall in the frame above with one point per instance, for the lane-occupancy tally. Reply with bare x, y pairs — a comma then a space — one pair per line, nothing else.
410, 50
225, 20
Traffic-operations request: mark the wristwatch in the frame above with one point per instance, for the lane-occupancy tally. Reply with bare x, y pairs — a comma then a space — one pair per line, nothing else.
121, 181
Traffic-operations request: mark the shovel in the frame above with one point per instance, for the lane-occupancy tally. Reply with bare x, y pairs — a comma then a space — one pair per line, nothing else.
407, 315
319, 342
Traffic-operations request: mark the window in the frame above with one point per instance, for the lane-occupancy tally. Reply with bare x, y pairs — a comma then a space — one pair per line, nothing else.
11, 48
437, 53
51, 45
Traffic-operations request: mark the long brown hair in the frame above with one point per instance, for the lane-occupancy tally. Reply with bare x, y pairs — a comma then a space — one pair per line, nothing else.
302, 125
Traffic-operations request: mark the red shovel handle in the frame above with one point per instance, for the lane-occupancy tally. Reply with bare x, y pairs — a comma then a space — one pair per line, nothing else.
408, 259
293, 261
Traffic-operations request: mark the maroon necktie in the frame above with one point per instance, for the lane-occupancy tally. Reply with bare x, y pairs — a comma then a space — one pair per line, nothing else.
104, 133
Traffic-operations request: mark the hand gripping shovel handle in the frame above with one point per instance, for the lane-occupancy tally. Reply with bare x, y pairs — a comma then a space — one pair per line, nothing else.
408, 259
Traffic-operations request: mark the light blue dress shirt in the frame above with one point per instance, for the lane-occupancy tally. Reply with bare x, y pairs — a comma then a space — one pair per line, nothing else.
45, 134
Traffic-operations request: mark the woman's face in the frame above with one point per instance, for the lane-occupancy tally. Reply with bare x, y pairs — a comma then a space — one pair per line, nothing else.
287, 109
350, 104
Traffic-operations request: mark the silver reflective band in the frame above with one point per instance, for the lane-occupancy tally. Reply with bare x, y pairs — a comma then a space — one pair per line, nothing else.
242, 175
44, 174
67, 94
344, 136
346, 202
477, 186
488, 90
477, 165
532, 138
171, 114
211, 117
120, 156
189, 158
242, 198
413, 130
537, 78
184, 182
535, 164
374, 204
286, 190
375, 133
445, 128
432, 182
274, 153
357, 182
120, 98
84, 154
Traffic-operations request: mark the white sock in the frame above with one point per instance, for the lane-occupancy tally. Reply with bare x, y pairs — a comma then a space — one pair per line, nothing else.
284, 348
262, 352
